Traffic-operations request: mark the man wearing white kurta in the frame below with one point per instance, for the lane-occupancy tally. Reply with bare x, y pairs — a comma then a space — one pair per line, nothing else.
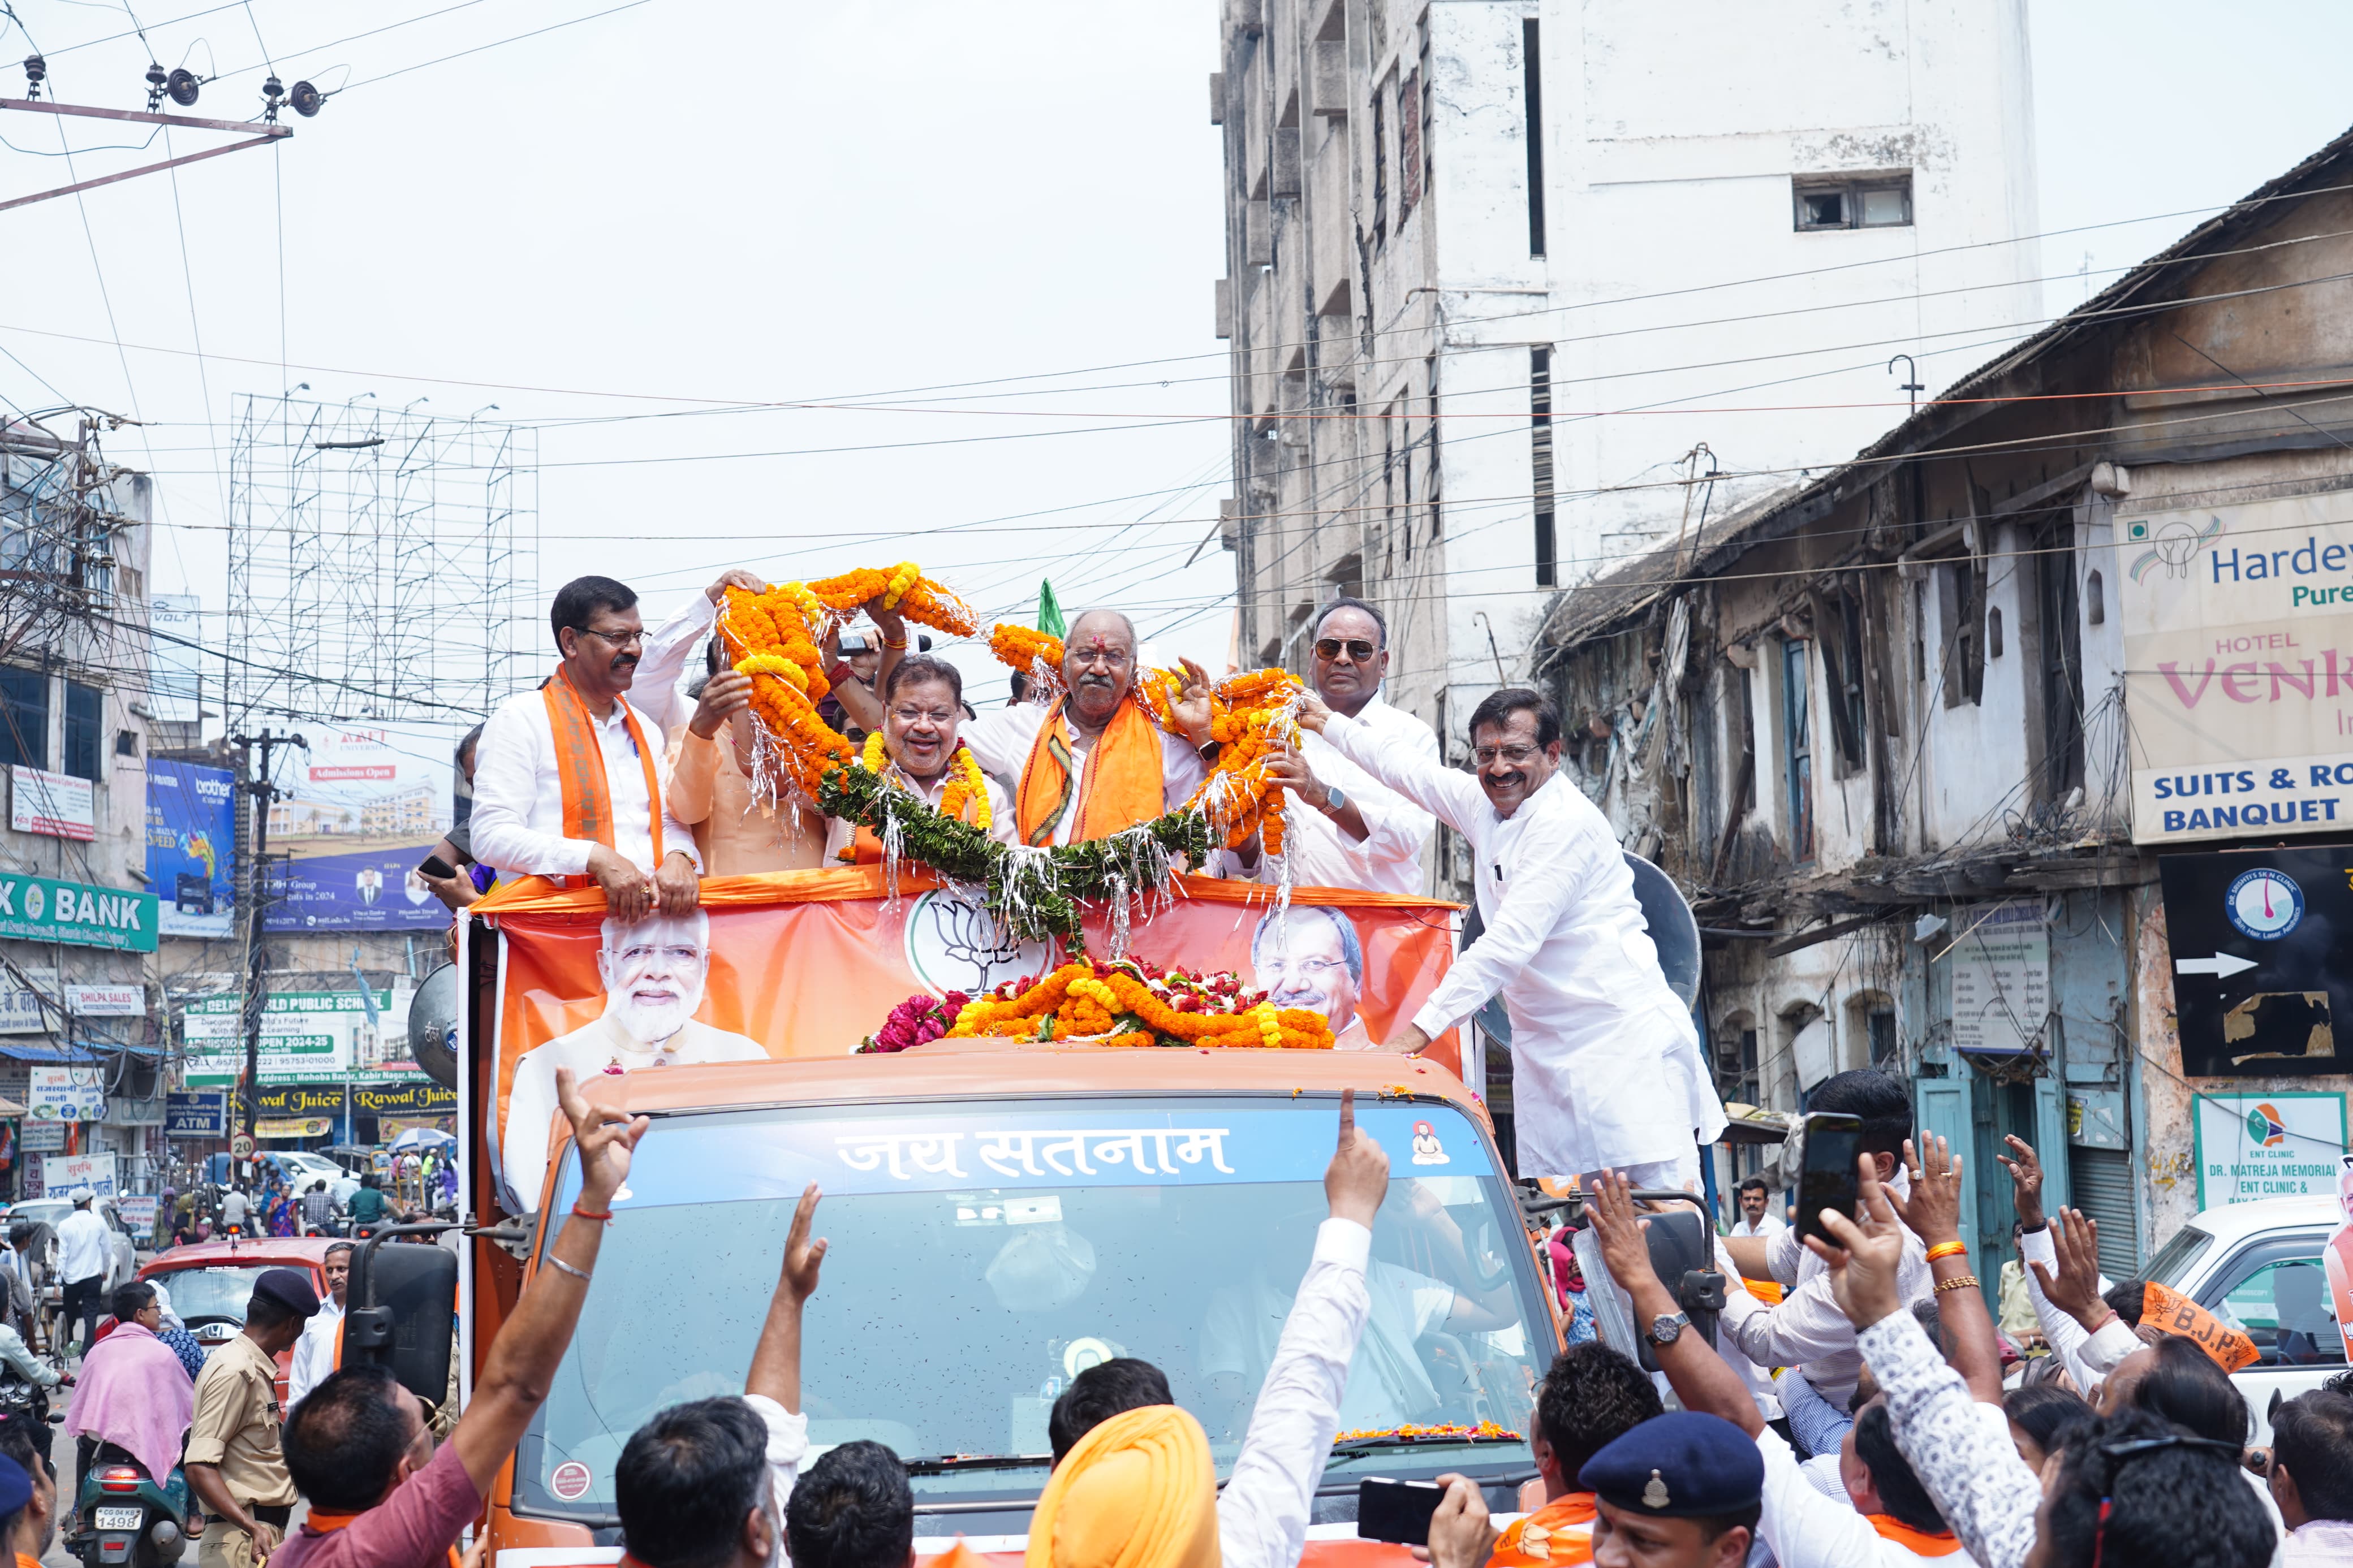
1098, 668
1344, 827
1605, 1063
518, 814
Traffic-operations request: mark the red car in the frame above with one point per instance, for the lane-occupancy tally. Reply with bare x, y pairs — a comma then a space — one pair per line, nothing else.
211, 1282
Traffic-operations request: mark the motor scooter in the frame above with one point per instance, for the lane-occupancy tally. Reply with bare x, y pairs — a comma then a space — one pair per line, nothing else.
124, 1518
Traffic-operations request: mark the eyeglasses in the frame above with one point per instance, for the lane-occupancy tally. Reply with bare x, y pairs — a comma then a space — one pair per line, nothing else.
917, 715
615, 639
1109, 658
1516, 755
1360, 652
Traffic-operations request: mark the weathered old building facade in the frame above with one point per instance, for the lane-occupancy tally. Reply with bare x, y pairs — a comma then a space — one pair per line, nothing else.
1942, 740
1455, 230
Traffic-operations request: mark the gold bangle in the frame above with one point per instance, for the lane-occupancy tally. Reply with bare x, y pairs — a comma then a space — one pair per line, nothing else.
1958, 1282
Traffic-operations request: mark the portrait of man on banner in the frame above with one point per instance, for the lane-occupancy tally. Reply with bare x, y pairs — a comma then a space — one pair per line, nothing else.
654, 972
1310, 956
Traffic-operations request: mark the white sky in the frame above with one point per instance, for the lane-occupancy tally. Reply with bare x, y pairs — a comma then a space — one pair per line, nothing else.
677, 205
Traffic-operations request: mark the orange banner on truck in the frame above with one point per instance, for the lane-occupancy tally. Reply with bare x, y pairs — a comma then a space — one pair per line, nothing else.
800, 964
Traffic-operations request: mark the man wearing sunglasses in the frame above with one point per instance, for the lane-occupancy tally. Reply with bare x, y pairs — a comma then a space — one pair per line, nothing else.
570, 780
1606, 1064
1344, 829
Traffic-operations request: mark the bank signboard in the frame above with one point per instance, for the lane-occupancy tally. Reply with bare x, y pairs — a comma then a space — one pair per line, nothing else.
43, 909
2238, 641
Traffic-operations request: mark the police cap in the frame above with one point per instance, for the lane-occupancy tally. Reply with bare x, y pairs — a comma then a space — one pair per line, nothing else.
1681, 1465
289, 1288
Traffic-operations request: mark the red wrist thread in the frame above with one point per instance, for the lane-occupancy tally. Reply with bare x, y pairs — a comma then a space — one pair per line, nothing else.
580, 1212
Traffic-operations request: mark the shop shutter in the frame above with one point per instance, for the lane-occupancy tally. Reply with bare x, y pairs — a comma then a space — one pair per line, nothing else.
2102, 1181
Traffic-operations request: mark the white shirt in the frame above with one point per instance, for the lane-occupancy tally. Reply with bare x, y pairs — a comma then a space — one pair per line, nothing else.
1389, 860
788, 1446
1807, 1330
234, 1207
1606, 1063
2086, 1358
1000, 740
314, 1353
1265, 1509
839, 832
1808, 1530
662, 660
1770, 1225
519, 794
81, 1246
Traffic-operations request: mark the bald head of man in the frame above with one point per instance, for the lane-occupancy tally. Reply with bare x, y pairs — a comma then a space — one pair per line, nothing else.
1098, 665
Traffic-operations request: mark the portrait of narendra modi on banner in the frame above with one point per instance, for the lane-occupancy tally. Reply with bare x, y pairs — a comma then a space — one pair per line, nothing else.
654, 972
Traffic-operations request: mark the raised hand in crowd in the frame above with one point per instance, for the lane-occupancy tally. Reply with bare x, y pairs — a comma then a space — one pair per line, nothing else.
776, 1363
1700, 1378
1358, 1179
2025, 1180
1933, 1213
726, 694
1459, 1533
1864, 1261
2075, 1242
1191, 705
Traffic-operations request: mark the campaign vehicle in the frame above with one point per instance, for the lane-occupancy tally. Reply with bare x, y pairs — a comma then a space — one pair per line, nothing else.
2256, 1267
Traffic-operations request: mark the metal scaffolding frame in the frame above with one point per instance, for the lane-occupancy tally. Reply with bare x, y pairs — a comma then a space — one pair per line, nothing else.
383, 565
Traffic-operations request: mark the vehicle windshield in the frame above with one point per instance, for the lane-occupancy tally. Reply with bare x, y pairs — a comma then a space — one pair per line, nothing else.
37, 1213
220, 1292
2171, 1264
984, 1253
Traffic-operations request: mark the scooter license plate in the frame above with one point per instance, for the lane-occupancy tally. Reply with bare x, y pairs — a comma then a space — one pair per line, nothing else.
118, 1518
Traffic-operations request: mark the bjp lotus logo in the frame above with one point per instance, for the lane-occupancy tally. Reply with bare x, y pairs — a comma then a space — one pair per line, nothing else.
2263, 1125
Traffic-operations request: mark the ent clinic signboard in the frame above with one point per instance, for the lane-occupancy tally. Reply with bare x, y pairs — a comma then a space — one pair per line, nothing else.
2273, 1145
2238, 643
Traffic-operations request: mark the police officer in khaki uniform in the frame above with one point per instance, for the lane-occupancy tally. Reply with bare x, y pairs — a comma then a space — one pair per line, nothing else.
232, 1460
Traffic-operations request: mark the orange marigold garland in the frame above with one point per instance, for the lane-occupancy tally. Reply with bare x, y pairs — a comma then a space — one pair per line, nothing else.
1135, 1003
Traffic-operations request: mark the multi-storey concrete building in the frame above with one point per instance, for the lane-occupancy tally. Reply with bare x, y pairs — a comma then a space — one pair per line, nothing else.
1505, 275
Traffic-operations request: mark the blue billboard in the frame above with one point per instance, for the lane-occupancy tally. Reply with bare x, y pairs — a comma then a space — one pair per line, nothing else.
191, 843
356, 815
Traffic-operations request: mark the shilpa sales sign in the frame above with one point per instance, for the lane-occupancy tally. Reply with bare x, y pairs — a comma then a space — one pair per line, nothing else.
2238, 641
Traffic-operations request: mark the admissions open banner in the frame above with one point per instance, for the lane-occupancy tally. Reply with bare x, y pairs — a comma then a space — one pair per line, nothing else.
804, 964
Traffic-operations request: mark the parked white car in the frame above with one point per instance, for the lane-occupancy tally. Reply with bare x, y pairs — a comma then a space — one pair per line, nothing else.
2257, 1267
122, 1246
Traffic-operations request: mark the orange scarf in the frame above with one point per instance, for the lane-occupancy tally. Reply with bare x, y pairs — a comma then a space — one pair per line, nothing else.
1122, 787
580, 769
327, 1523
1919, 1543
1549, 1537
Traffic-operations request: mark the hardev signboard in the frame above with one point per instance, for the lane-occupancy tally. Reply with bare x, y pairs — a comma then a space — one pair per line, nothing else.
2238, 634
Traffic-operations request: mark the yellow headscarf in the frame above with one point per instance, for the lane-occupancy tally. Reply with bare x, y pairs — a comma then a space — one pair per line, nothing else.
1138, 1491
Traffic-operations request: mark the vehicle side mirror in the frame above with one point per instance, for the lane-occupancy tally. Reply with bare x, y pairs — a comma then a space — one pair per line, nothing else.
402, 1309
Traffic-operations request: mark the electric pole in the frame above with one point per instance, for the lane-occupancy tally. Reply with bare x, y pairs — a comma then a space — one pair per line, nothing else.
263, 789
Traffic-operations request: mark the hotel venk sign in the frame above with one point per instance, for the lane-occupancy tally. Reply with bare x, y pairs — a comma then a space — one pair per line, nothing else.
41, 910
2238, 662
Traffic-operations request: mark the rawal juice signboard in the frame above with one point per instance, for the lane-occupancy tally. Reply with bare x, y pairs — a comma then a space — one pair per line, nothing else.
2238, 632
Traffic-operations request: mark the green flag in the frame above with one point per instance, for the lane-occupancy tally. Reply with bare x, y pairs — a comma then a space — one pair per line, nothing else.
1049, 613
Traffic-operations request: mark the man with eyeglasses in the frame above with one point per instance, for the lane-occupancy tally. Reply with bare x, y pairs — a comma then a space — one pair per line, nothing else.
570, 781
1353, 830
1093, 762
1605, 1063
922, 710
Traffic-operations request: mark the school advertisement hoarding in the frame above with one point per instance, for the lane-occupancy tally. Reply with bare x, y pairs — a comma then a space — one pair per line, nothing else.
306, 1035
359, 811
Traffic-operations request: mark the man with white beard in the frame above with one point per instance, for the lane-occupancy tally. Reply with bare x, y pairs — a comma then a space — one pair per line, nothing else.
653, 971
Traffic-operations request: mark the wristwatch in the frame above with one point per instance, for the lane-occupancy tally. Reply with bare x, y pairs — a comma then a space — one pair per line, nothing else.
1667, 1327
1334, 801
